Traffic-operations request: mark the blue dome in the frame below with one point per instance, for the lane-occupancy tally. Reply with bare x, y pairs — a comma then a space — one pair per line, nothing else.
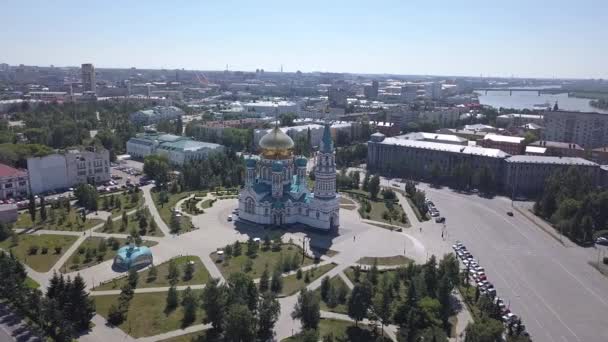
277, 166
133, 256
301, 162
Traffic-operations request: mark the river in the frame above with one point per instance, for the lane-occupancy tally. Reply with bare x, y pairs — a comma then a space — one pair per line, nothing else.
527, 100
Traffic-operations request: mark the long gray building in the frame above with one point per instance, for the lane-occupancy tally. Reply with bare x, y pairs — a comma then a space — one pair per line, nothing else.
525, 175
416, 158
522, 175
590, 130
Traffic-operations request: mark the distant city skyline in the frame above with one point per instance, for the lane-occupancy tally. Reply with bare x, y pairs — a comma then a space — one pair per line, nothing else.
545, 39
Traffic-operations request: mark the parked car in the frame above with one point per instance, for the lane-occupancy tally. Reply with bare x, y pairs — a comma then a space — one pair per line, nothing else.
602, 240
510, 213
229, 218
509, 317
440, 219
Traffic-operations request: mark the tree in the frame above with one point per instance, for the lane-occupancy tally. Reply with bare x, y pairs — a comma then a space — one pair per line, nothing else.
382, 302
172, 299
374, 187
82, 307
143, 224
42, 209
102, 247
252, 248
325, 288
240, 324
365, 185
133, 277
152, 274
108, 226
276, 283
173, 274
359, 301
486, 329
267, 243
264, 280
32, 208
87, 196
188, 270
189, 303
214, 300
175, 224
268, 314
157, 168
307, 309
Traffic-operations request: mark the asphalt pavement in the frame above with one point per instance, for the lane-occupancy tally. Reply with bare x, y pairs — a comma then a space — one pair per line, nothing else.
558, 295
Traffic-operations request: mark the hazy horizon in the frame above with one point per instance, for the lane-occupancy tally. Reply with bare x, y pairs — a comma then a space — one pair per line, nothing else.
540, 40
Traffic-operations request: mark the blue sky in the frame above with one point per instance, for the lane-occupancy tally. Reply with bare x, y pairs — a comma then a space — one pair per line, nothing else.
494, 38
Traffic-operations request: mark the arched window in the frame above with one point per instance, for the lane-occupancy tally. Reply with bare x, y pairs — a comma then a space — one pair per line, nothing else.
249, 205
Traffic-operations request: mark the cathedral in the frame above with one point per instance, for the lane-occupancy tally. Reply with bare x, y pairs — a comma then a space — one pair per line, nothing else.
276, 191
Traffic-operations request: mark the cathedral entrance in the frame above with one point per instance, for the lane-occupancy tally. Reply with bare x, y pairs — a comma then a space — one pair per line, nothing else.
277, 219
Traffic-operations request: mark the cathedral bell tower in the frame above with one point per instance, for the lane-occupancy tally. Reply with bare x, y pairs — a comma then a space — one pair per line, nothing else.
325, 170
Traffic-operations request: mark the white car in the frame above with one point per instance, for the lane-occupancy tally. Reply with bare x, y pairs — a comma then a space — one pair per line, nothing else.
509, 317
229, 218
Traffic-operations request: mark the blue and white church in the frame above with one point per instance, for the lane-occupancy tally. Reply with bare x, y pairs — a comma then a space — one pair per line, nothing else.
276, 191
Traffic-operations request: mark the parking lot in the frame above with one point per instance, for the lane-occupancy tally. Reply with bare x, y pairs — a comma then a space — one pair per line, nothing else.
554, 290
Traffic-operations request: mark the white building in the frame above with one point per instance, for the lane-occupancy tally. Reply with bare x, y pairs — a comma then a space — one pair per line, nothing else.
519, 119
271, 108
60, 171
13, 182
177, 149
276, 190
156, 114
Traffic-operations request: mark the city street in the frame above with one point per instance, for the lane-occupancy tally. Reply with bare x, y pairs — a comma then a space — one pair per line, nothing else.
558, 295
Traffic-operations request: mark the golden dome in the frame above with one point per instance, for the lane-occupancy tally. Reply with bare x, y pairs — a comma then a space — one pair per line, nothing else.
276, 144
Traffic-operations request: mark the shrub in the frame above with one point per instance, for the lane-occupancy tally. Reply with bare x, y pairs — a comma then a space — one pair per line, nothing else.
44, 250
33, 250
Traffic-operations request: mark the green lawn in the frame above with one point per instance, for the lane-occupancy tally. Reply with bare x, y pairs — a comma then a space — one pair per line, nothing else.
208, 203
127, 204
31, 283
291, 284
386, 261
146, 316
201, 275
78, 260
350, 274
263, 258
41, 262
341, 307
133, 223
378, 207
165, 209
343, 331
62, 220
187, 337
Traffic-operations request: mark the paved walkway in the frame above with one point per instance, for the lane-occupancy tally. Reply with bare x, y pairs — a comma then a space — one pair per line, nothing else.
148, 290
175, 333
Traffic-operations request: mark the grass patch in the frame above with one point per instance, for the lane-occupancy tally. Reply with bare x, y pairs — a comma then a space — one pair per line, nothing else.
468, 296
291, 284
344, 331
201, 275
128, 202
208, 203
39, 261
383, 211
164, 209
347, 204
342, 308
187, 337
146, 316
31, 283
88, 253
60, 219
386, 261
132, 224
263, 258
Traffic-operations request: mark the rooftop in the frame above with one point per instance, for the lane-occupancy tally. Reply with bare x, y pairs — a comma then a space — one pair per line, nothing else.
550, 160
189, 145
556, 144
429, 145
522, 116
9, 171
432, 136
503, 138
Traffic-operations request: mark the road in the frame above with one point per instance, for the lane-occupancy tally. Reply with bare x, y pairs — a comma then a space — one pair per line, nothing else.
559, 296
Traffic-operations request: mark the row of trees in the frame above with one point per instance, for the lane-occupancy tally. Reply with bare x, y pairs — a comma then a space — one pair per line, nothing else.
573, 205
237, 311
61, 314
237, 139
417, 196
353, 155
